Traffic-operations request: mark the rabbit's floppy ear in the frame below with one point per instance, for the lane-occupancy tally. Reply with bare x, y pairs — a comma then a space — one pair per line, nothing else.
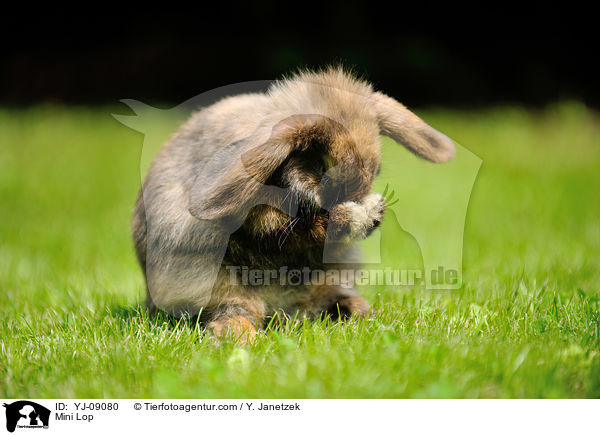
233, 180
399, 123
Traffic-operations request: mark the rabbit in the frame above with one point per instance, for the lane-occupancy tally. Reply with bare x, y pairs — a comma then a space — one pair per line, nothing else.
268, 181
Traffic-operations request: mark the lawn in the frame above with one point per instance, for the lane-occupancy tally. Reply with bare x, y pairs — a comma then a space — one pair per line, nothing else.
524, 324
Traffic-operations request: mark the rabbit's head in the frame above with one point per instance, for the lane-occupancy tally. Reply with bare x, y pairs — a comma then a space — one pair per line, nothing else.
312, 161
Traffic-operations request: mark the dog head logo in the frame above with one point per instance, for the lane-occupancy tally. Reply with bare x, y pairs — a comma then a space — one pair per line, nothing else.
26, 414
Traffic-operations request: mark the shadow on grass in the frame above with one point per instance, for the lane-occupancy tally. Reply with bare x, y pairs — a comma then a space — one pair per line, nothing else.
276, 323
139, 312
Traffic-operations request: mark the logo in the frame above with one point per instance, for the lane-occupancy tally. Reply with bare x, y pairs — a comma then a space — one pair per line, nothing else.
26, 414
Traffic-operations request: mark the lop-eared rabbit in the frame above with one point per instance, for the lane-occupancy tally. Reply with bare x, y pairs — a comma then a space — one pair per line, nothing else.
268, 182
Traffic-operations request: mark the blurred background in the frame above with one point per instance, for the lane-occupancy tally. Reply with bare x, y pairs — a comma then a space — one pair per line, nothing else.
423, 54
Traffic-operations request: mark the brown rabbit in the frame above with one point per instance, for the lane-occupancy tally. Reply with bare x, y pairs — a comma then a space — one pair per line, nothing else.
268, 182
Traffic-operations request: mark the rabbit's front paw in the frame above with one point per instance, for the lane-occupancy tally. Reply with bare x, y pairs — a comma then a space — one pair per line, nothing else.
352, 221
374, 205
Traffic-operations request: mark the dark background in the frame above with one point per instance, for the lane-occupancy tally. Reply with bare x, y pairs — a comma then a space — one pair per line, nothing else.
423, 55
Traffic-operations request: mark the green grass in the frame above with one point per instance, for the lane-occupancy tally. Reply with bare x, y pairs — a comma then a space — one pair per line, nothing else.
525, 323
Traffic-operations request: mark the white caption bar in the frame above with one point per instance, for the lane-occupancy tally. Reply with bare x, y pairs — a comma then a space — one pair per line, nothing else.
305, 416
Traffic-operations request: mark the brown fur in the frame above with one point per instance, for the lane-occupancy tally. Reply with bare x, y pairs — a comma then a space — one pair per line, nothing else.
221, 191
239, 327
